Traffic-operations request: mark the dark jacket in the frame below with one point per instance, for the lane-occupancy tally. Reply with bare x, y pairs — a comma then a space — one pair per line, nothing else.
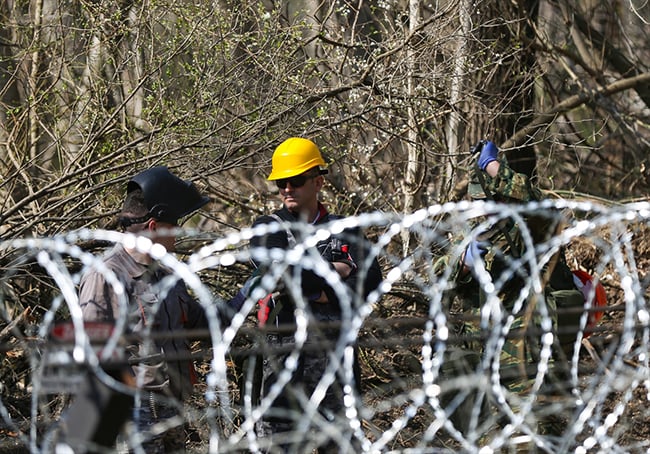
364, 278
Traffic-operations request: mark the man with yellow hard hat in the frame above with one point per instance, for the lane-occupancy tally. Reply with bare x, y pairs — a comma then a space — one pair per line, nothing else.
298, 169
298, 172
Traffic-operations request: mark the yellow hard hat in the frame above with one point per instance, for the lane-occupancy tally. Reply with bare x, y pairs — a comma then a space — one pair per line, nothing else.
293, 157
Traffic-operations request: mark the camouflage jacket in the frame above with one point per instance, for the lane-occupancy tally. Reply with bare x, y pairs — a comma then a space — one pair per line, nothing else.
507, 185
503, 240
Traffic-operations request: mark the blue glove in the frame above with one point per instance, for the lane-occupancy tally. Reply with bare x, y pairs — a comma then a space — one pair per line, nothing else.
474, 250
488, 154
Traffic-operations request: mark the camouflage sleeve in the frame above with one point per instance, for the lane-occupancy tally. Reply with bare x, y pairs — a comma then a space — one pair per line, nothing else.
512, 185
449, 261
445, 262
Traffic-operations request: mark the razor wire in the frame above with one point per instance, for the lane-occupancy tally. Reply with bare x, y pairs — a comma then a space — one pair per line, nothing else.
412, 411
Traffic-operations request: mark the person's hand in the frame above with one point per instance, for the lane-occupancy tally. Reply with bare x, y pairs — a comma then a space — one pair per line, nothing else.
343, 269
473, 252
340, 253
318, 297
489, 153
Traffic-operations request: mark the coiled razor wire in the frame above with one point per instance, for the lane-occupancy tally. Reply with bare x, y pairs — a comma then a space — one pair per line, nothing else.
414, 411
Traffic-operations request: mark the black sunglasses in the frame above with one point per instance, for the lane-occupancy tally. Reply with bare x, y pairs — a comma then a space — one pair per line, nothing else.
296, 182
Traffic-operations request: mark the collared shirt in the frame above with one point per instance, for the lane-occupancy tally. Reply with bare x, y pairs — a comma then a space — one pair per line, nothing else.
147, 308
99, 302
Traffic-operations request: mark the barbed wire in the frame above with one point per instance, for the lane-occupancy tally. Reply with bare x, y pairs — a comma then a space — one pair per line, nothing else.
592, 391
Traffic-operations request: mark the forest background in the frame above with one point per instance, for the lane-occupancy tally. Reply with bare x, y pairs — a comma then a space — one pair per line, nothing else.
394, 92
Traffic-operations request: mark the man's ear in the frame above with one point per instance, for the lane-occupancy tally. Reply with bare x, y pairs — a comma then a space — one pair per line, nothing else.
151, 225
320, 181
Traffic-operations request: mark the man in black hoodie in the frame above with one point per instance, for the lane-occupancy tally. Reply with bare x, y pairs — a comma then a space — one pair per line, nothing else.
298, 171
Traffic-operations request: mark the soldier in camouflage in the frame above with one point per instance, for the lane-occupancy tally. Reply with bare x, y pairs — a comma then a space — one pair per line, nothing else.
500, 249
